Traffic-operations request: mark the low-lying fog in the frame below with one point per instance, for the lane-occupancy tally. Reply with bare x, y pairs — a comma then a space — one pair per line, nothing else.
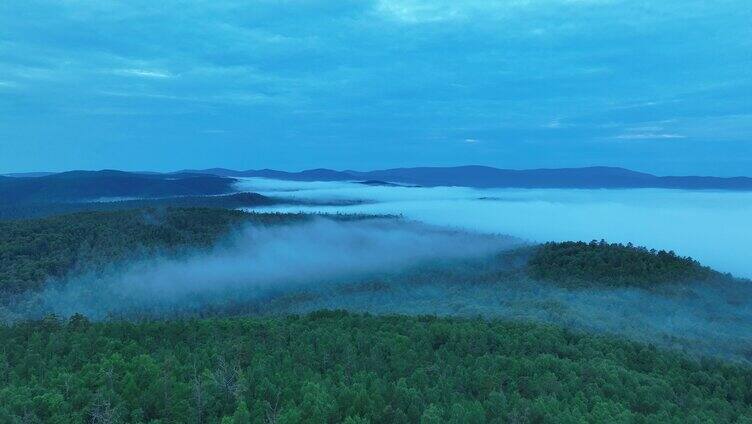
711, 226
256, 262
384, 265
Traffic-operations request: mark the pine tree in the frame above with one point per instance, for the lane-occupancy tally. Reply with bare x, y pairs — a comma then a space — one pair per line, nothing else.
241, 415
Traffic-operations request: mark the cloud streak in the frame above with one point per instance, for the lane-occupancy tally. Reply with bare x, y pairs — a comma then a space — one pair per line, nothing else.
145, 73
649, 136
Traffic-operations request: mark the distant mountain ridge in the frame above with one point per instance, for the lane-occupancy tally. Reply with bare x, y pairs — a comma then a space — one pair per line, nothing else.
88, 185
489, 177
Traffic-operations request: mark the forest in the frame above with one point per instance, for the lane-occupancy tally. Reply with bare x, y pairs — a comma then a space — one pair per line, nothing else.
329, 367
265, 363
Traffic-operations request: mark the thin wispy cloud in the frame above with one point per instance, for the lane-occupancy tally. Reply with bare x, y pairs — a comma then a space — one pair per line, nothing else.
648, 136
555, 124
226, 97
145, 73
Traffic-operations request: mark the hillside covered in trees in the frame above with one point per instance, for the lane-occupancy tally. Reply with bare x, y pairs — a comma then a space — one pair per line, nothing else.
88, 185
13, 211
267, 359
31, 251
332, 367
25, 197
613, 264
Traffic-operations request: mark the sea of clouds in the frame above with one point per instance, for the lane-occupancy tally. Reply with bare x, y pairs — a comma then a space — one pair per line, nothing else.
714, 227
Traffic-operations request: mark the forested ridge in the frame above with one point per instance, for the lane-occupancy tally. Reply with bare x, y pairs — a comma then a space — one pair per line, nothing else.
87, 185
31, 251
599, 262
332, 367
35, 250
40, 210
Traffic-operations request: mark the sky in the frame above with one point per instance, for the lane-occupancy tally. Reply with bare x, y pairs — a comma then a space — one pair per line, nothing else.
656, 86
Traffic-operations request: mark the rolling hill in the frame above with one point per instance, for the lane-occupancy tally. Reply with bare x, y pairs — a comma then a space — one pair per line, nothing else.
90, 185
221, 365
25, 210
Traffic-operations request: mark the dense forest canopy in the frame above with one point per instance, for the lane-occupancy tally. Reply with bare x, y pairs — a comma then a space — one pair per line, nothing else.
599, 262
338, 367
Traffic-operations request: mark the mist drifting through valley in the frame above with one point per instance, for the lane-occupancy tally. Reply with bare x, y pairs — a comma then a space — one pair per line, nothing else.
441, 258
711, 226
387, 266
256, 263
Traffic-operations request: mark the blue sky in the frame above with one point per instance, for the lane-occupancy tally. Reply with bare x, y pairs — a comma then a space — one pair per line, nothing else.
659, 86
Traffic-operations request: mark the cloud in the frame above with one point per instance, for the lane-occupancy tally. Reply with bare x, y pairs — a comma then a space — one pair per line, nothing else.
439, 11
419, 11
222, 97
145, 73
709, 226
650, 131
649, 136
556, 123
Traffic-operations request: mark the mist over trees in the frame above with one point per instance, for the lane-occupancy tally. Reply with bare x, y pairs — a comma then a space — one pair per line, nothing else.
155, 361
375, 212
33, 251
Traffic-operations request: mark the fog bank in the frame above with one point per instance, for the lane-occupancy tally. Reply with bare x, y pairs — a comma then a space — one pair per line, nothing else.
259, 261
711, 226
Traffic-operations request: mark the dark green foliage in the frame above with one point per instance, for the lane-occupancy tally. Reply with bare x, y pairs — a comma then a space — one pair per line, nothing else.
32, 251
331, 367
84, 185
40, 210
601, 263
